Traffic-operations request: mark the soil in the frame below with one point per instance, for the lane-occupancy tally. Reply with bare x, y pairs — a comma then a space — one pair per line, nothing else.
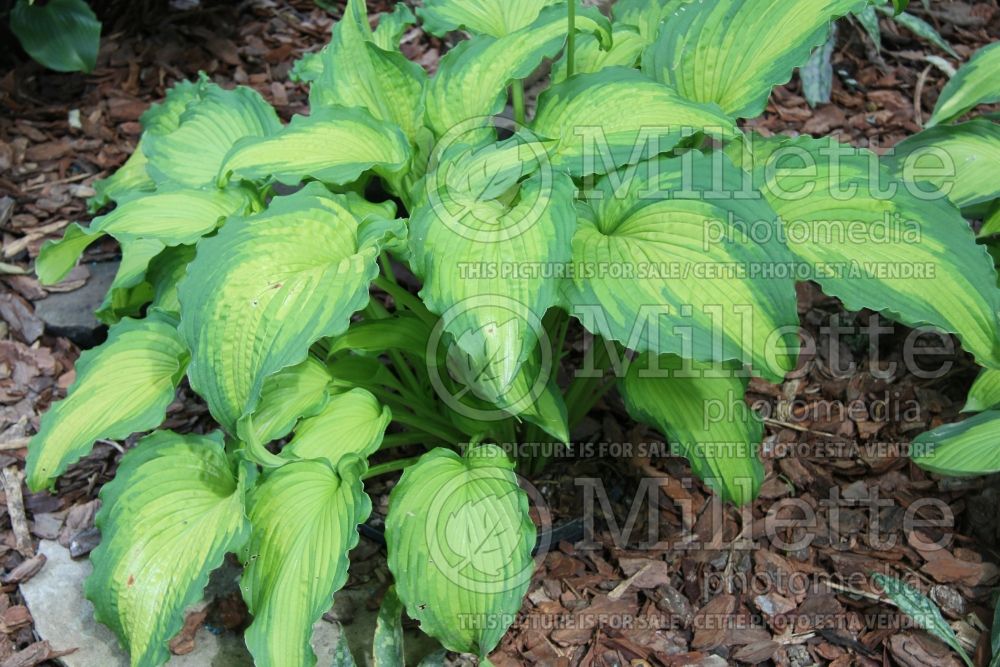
783, 582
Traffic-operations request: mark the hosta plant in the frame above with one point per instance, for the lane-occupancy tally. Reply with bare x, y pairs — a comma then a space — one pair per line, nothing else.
626, 201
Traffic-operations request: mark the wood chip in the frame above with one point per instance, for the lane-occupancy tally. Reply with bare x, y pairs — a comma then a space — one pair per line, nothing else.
12, 478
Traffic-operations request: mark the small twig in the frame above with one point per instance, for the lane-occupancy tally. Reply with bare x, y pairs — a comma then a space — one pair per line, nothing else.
796, 427
860, 593
14, 443
61, 181
918, 94
795, 638
11, 479
20, 244
112, 443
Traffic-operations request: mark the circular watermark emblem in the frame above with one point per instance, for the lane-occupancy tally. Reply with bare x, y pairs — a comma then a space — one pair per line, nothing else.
495, 374
470, 178
475, 534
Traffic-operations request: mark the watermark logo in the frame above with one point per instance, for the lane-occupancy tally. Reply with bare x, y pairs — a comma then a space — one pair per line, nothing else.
475, 534
472, 178
479, 372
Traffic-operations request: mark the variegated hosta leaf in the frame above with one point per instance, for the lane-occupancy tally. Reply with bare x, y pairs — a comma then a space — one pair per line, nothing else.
165, 116
659, 266
532, 395
212, 120
289, 395
459, 544
733, 52
172, 216
268, 286
403, 331
129, 292
172, 512
961, 161
618, 116
643, 15
985, 392
354, 72
626, 47
164, 275
161, 118
122, 387
878, 245
334, 145
991, 228
304, 518
472, 79
350, 423
391, 26
479, 259
129, 179
975, 83
487, 17
966, 448
700, 408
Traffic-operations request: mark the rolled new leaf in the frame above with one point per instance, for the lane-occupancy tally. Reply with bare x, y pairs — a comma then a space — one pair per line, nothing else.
122, 387
459, 540
922, 610
494, 315
172, 512
304, 520
387, 649
733, 52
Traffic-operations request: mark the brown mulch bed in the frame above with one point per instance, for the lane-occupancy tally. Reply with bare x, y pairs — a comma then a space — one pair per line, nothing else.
785, 582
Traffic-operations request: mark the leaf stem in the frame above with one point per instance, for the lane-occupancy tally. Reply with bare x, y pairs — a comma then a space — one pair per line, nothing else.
403, 439
584, 392
387, 271
377, 311
413, 421
391, 466
406, 300
570, 37
517, 93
